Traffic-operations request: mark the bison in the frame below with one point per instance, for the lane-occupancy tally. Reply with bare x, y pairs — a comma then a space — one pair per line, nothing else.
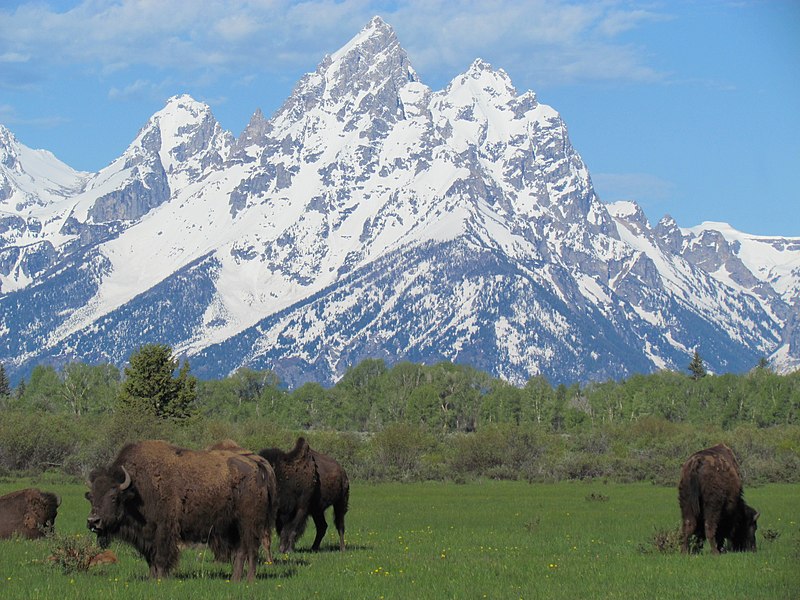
712, 507
330, 487
298, 490
155, 495
334, 491
259, 461
28, 513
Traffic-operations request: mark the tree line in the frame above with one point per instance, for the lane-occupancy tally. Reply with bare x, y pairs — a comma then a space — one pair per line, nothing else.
443, 397
409, 421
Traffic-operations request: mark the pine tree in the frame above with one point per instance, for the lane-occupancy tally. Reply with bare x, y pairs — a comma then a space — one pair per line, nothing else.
5, 384
696, 367
151, 385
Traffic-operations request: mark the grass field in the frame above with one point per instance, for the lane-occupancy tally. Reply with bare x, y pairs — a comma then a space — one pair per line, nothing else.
435, 540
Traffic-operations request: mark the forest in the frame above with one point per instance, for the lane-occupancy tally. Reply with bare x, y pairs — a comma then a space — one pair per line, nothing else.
410, 421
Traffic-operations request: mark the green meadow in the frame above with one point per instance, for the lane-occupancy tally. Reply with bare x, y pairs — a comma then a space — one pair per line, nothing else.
485, 539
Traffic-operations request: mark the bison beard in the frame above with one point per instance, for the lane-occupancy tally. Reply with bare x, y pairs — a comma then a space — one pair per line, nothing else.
155, 495
712, 507
28, 513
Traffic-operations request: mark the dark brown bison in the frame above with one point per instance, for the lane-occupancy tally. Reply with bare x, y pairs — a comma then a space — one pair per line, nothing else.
298, 490
712, 507
155, 495
334, 491
28, 513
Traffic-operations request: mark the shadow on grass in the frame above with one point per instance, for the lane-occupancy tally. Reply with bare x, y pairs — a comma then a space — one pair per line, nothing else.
331, 548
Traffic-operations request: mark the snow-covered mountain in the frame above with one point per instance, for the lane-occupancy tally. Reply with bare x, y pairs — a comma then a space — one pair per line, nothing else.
374, 217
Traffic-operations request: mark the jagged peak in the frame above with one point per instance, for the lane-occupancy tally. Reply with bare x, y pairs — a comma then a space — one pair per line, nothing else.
484, 80
372, 63
629, 211
253, 133
8, 147
375, 47
183, 107
376, 33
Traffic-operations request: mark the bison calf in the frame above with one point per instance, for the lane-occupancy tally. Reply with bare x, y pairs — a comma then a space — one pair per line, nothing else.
712, 507
27, 513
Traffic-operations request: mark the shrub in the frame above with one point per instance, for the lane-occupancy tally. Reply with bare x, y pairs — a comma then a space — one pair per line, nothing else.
396, 452
72, 553
663, 541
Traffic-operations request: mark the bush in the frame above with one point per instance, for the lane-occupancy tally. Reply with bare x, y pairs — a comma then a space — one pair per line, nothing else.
73, 553
396, 452
663, 541
37, 441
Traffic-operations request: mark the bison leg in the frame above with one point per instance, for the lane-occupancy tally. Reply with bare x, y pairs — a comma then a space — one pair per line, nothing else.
252, 562
287, 544
266, 543
689, 527
293, 530
164, 554
322, 526
238, 564
711, 536
338, 519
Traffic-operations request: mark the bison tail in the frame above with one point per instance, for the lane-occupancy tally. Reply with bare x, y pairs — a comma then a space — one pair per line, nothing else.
690, 490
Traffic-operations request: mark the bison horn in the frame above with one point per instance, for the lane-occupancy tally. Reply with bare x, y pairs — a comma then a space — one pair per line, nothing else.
58, 500
125, 484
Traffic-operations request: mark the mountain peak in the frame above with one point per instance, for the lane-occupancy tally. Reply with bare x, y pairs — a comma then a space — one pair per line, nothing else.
479, 65
482, 80
372, 67
376, 34
8, 143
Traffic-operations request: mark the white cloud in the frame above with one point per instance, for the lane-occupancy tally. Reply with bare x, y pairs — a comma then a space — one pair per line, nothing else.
643, 188
542, 40
14, 57
140, 88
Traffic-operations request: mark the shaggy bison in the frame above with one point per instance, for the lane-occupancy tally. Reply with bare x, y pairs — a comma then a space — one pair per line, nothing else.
712, 507
155, 495
298, 490
28, 513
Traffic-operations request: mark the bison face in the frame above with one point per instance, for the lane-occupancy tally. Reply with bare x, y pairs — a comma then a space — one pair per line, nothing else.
109, 491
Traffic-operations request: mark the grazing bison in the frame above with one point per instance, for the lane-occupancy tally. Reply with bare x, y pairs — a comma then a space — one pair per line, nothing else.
712, 507
28, 513
155, 495
334, 491
298, 490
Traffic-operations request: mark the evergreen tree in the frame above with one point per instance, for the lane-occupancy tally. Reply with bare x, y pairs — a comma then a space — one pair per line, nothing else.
151, 385
696, 367
5, 384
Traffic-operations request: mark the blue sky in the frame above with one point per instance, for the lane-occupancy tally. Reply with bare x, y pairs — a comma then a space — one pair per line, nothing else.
689, 108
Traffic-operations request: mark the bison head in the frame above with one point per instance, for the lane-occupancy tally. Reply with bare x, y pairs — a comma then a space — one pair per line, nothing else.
743, 535
109, 490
